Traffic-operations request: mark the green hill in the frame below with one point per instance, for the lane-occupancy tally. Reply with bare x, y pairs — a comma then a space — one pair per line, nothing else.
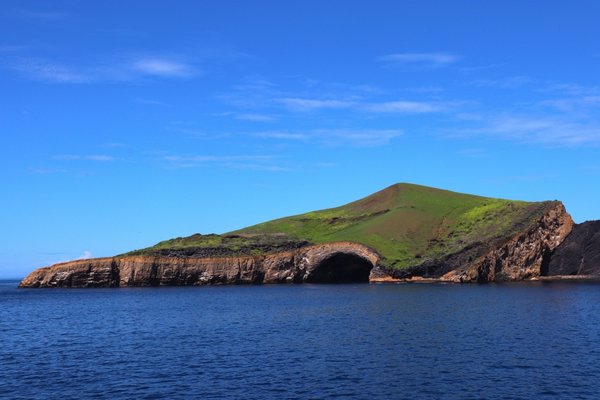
407, 224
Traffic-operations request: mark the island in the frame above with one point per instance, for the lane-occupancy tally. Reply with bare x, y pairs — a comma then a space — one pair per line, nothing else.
403, 233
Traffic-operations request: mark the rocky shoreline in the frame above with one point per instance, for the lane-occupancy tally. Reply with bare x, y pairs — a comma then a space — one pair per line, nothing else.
528, 255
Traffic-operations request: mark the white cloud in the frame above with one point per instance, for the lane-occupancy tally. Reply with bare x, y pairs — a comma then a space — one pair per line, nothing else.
574, 104
282, 135
359, 137
398, 106
510, 82
304, 104
103, 71
152, 102
252, 162
86, 254
92, 157
335, 137
254, 117
163, 67
405, 107
429, 60
207, 159
552, 131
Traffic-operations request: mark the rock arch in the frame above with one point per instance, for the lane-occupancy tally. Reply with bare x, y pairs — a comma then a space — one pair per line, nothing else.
339, 262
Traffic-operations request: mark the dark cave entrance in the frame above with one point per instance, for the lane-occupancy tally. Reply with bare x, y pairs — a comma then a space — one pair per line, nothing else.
341, 268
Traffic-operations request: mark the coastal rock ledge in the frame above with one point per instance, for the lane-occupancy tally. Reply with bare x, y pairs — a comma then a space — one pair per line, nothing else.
518, 257
331, 262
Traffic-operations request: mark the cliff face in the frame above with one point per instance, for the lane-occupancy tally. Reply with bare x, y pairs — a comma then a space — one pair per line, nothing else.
522, 256
519, 257
578, 254
322, 263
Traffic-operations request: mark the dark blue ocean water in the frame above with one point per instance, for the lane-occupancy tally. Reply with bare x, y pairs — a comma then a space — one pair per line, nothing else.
305, 341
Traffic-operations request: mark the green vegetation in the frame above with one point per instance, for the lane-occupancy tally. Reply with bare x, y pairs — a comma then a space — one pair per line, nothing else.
222, 245
407, 224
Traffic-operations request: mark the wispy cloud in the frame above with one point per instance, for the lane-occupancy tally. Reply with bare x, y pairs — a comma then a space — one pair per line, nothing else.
574, 104
40, 14
282, 135
426, 60
571, 89
396, 106
254, 117
551, 131
151, 102
92, 157
509, 82
120, 69
86, 255
252, 162
208, 158
360, 137
266, 98
41, 70
336, 137
406, 107
163, 67
190, 129
304, 104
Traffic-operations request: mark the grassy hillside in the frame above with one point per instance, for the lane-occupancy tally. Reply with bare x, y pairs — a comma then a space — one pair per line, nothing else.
407, 224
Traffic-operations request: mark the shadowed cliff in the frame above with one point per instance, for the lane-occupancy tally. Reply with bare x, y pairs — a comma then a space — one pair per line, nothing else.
578, 254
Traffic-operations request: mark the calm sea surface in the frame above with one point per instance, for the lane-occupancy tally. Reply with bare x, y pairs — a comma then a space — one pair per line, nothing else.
304, 341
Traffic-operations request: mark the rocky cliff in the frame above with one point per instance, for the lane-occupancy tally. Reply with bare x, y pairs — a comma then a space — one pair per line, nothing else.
332, 262
512, 258
578, 254
517, 257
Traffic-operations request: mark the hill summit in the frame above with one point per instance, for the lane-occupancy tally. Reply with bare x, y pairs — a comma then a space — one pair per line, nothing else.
403, 232
406, 224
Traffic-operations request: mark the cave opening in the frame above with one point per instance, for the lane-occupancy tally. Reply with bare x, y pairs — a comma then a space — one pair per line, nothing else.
341, 268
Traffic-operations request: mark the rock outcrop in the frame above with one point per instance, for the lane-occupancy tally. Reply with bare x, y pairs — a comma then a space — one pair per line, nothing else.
515, 258
578, 254
520, 257
329, 262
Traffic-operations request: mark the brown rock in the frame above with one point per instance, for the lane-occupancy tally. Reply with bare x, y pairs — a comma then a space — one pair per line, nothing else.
515, 258
522, 256
311, 263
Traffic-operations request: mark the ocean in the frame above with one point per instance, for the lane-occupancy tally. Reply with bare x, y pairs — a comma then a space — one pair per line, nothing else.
349, 341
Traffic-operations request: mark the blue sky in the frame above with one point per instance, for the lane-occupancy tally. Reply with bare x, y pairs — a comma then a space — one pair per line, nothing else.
126, 123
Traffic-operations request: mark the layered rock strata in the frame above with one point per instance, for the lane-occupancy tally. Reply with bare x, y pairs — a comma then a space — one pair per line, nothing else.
521, 256
297, 266
514, 258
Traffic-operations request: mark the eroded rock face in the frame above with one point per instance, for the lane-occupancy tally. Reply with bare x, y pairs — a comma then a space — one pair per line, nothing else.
520, 257
579, 254
297, 266
516, 258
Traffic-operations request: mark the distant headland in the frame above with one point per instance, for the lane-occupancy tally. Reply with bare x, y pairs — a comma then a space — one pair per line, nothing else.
405, 233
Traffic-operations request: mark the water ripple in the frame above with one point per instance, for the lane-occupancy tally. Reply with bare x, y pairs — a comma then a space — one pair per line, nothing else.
299, 342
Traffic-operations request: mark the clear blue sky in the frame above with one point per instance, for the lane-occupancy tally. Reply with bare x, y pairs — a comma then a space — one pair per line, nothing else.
124, 123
